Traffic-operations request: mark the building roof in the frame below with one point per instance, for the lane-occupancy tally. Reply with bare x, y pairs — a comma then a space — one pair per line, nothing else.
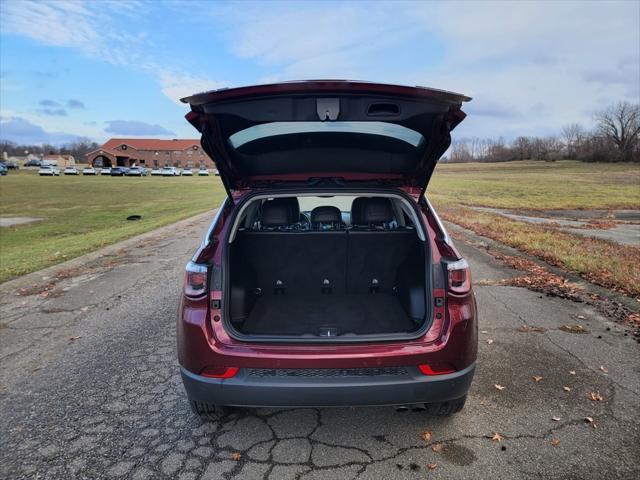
151, 143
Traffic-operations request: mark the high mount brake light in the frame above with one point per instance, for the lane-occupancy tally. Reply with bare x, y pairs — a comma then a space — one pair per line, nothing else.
459, 276
195, 280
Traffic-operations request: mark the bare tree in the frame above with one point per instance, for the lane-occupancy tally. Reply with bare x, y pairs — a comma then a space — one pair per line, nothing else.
522, 148
621, 124
573, 135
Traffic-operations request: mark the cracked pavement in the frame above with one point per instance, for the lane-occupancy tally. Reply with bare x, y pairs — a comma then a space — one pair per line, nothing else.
89, 388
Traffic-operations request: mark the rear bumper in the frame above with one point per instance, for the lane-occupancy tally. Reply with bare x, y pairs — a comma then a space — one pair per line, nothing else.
273, 388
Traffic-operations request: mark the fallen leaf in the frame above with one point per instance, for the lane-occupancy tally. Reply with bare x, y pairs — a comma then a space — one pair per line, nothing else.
499, 387
432, 466
572, 372
590, 421
555, 442
437, 447
236, 456
489, 341
497, 437
73, 339
555, 419
581, 317
595, 396
536, 378
426, 435
604, 369
566, 389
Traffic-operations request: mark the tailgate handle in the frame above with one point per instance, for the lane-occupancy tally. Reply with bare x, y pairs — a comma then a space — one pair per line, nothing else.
328, 108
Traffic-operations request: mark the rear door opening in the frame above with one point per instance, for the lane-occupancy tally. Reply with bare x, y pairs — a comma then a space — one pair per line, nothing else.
332, 266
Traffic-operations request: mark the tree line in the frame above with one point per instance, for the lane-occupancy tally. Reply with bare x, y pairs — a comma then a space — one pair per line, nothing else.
77, 148
615, 138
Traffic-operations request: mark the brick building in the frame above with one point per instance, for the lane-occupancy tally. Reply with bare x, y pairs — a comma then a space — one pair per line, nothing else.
126, 152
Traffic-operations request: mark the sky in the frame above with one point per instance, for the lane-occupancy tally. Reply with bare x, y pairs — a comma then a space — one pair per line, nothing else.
117, 68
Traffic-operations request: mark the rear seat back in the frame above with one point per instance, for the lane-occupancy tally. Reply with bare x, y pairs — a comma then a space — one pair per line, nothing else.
303, 262
279, 213
376, 249
362, 259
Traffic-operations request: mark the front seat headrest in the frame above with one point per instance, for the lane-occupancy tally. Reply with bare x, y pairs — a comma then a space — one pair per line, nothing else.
371, 210
280, 212
326, 214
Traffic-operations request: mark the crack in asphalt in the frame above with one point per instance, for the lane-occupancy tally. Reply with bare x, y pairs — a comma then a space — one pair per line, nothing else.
559, 346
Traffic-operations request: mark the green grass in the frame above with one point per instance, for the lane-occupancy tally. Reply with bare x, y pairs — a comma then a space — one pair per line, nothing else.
544, 186
82, 214
537, 185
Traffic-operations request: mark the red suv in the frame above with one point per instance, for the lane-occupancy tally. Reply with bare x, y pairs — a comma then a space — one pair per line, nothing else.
326, 278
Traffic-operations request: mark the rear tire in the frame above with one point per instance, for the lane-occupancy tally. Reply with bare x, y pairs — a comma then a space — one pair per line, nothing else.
444, 409
209, 412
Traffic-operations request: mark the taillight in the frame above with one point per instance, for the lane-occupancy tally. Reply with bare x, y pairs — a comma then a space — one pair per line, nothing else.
459, 276
436, 369
220, 372
195, 280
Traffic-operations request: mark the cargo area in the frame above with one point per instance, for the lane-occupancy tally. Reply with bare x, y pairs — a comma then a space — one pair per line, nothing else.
327, 272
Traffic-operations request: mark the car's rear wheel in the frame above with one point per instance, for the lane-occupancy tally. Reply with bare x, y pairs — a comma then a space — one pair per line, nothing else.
443, 409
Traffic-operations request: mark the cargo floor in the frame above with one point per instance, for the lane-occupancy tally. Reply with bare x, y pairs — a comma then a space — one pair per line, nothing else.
356, 314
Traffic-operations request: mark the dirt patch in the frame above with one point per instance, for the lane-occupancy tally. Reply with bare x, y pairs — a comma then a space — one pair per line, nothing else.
47, 289
15, 221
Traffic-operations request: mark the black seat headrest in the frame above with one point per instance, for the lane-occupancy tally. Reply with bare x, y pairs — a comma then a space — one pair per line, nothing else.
326, 214
371, 210
280, 212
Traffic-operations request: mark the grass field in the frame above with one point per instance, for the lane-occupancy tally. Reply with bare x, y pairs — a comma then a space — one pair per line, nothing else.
541, 186
537, 185
81, 214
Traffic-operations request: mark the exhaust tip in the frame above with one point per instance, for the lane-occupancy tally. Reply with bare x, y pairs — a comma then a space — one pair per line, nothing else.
402, 408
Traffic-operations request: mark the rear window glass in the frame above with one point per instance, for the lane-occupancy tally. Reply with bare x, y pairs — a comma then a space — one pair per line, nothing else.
392, 130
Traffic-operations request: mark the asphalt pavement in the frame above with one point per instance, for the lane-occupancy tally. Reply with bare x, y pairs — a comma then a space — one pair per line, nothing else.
90, 388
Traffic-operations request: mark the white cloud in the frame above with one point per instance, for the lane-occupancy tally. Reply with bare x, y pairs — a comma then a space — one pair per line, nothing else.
176, 85
95, 29
530, 66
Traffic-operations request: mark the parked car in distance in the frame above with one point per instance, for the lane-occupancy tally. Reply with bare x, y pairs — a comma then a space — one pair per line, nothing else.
216, 172
156, 171
89, 171
12, 165
327, 280
3, 169
119, 171
33, 163
105, 171
170, 172
70, 171
137, 172
48, 170
203, 172
187, 172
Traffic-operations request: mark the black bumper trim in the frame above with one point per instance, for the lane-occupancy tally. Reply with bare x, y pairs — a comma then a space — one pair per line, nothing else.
244, 390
